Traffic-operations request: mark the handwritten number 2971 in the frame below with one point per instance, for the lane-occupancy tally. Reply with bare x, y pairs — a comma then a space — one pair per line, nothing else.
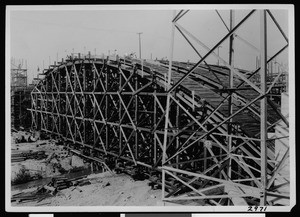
257, 208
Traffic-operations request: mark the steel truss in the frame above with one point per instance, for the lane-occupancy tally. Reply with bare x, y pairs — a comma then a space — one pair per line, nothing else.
200, 129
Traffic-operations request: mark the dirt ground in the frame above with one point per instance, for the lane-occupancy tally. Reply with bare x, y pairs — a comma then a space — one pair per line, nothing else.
106, 190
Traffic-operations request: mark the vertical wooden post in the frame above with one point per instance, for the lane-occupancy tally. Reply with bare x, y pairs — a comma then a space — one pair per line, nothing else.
136, 116
177, 130
205, 155
94, 103
120, 115
59, 102
46, 107
154, 122
106, 102
66, 105
84, 95
263, 105
168, 106
74, 95
230, 100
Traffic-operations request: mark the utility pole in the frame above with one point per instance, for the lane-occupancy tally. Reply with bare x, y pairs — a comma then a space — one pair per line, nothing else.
140, 47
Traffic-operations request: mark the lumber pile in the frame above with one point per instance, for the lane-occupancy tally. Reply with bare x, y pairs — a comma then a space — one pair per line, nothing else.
137, 173
51, 189
24, 155
37, 195
62, 182
80, 181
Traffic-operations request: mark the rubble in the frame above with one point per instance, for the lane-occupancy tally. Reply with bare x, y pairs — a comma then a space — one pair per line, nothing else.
37, 195
49, 158
22, 136
40, 159
51, 189
77, 161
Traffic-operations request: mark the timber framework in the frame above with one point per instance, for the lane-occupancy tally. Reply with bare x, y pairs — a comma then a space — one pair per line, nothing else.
201, 131
20, 95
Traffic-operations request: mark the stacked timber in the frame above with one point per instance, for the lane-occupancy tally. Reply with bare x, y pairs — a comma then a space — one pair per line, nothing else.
80, 181
24, 155
62, 182
51, 189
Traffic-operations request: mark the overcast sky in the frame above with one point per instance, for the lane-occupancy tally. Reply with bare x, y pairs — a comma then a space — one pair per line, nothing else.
39, 34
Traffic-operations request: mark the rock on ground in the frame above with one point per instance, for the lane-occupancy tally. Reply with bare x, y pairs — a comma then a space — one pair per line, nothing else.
77, 161
58, 159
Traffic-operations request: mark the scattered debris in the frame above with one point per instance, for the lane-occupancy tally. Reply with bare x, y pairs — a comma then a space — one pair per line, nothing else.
77, 188
50, 158
107, 184
22, 136
36, 195
136, 172
52, 188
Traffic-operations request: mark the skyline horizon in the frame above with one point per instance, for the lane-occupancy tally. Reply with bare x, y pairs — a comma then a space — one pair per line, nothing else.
42, 37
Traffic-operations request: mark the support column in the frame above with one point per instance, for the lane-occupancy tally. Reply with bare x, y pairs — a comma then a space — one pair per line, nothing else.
94, 105
167, 106
84, 95
136, 115
230, 100
66, 103
106, 103
263, 105
45, 115
120, 115
59, 102
154, 121
73, 84
177, 131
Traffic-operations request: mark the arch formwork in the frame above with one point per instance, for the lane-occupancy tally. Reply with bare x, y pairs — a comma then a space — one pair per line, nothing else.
184, 134
110, 107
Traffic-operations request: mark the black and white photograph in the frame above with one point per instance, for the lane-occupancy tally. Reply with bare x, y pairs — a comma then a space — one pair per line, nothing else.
178, 108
